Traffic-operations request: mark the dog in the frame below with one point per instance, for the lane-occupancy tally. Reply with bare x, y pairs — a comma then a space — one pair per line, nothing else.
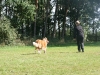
41, 45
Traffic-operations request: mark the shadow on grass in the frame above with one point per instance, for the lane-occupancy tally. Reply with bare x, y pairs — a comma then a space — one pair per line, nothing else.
51, 52
67, 52
29, 54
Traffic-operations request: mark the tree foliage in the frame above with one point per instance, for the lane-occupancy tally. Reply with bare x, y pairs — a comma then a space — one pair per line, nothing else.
7, 33
50, 18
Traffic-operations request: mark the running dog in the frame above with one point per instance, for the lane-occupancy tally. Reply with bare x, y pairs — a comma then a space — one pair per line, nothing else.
41, 45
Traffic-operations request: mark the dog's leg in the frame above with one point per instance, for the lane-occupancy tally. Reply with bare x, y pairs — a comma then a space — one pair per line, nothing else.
39, 51
45, 50
35, 50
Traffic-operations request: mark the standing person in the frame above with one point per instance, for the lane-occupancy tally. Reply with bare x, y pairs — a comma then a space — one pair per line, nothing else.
79, 36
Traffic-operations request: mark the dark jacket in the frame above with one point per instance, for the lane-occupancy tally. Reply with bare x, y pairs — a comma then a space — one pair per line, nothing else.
78, 32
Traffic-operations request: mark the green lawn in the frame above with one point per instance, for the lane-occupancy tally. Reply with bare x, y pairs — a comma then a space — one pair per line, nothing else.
64, 60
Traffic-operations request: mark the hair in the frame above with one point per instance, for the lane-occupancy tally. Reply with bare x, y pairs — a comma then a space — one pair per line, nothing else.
77, 22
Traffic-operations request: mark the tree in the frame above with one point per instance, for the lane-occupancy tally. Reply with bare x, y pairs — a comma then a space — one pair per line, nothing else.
7, 33
0, 7
34, 18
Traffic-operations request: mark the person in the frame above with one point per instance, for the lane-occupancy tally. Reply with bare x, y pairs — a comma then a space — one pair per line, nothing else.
79, 36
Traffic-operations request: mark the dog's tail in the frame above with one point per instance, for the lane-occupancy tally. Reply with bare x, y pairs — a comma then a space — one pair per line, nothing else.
35, 44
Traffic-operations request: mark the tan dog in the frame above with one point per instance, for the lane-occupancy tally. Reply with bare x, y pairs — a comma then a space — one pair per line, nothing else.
41, 45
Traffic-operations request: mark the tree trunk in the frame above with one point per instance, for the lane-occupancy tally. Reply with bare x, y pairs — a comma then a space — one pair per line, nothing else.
36, 4
66, 6
0, 8
63, 27
55, 18
96, 35
35, 26
93, 27
59, 33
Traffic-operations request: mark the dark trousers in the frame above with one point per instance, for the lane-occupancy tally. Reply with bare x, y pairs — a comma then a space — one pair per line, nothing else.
80, 43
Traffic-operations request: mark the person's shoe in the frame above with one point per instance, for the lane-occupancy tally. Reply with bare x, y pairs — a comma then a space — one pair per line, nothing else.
82, 49
79, 51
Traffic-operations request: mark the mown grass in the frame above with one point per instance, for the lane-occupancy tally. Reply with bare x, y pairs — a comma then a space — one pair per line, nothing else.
59, 60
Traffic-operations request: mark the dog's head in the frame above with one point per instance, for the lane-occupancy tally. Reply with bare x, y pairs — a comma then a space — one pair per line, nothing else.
46, 40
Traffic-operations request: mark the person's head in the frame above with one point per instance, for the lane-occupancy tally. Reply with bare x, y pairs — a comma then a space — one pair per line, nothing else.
77, 22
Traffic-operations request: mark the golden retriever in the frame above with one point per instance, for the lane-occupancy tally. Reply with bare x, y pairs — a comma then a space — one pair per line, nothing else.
41, 45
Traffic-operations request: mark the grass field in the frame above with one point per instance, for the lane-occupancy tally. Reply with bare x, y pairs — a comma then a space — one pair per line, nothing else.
59, 60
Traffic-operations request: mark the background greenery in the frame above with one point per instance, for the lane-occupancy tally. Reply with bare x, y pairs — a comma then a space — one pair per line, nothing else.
23, 21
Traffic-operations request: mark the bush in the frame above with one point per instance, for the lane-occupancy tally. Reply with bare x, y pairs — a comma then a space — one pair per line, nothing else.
7, 33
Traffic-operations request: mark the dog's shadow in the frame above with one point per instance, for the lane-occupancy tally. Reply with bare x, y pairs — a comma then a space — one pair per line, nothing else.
50, 52
29, 54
